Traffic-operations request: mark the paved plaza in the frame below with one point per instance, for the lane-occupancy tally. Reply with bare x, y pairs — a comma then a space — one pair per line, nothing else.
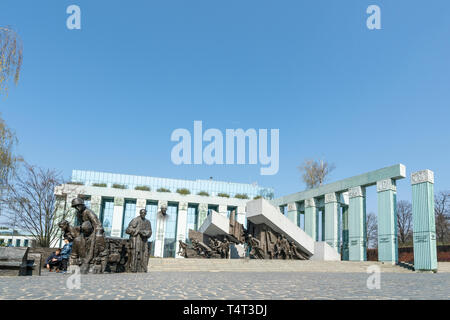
228, 286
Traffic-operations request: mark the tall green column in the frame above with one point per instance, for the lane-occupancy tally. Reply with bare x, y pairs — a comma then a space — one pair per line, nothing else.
387, 221
331, 220
310, 218
345, 244
357, 224
292, 212
425, 252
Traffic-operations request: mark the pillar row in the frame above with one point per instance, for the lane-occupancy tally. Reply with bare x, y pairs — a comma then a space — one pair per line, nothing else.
425, 252
357, 224
116, 228
387, 221
181, 226
332, 220
310, 218
292, 212
202, 213
96, 205
160, 229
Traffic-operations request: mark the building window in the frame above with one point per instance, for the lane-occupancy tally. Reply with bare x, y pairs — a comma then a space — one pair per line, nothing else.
17, 242
107, 213
152, 213
129, 213
25, 243
230, 209
9, 242
212, 207
192, 219
2, 241
170, 235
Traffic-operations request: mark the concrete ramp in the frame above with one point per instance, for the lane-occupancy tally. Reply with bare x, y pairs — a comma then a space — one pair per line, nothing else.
215, 225
263, 212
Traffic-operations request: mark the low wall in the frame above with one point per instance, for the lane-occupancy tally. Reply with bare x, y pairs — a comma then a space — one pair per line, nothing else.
45, 253
406, 254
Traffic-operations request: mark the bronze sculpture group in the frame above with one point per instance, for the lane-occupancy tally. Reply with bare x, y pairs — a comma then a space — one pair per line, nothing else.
93, 252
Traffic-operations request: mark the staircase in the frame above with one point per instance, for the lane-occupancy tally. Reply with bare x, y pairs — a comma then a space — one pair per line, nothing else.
247, 265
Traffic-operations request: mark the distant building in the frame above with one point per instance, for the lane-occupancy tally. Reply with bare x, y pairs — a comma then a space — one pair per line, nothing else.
14, 239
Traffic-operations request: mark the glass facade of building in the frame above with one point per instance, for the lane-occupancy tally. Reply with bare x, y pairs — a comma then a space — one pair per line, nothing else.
170, 235
129, 213
192, 219
212, 187
152, 212
106, 216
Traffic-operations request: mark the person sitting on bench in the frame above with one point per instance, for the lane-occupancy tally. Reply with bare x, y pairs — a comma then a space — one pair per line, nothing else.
54, 261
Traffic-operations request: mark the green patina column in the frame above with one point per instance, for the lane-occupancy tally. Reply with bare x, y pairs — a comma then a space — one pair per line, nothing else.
425, 252
310, 218
387, 221
202, 213
292, 212
345, 244
357, 224
331, 220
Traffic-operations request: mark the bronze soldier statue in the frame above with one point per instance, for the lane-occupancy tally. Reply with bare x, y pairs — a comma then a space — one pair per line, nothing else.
140, 230
90, 243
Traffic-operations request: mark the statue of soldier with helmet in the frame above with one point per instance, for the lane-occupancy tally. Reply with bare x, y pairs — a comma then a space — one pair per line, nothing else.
89, 245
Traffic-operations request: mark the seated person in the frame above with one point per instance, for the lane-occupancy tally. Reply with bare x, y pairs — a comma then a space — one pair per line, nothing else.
65, 254
54, 261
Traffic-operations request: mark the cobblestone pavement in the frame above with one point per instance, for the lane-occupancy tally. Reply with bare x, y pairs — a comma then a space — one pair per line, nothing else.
227, 286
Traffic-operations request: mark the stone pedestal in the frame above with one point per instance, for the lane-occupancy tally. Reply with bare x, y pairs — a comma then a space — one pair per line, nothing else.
425, 252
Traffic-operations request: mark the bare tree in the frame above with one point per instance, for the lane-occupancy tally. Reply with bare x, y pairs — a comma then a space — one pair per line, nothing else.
442, 216
8, 160
372, 230
404, 222
11, 57
32, 205
315, 173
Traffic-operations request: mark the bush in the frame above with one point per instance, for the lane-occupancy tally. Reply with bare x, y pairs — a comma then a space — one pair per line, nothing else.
223, 195
142, 188
103, 185
257, 197
203, 194
119, 186
183, 191
76, 183
241, 196
163, 190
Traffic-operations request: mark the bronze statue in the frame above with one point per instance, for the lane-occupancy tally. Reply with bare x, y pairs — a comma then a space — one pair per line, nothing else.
182, 251
90, 243
140, 231
69, 232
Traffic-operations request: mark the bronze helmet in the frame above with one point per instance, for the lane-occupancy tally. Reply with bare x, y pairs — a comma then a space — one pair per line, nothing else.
76, 202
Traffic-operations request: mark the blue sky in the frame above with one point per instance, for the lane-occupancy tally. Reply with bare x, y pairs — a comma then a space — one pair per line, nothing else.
107, 97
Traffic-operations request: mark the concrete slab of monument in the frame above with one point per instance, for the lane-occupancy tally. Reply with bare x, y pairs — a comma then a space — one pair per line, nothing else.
262, 211
324, 252
13, 261
215, 225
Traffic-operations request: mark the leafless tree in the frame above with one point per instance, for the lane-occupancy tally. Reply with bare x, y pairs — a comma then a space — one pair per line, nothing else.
372, 230
442, 216
32, 206
404, 222
315, 173
11, 57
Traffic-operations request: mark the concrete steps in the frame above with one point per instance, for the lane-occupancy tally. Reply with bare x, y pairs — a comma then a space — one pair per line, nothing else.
246, 265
